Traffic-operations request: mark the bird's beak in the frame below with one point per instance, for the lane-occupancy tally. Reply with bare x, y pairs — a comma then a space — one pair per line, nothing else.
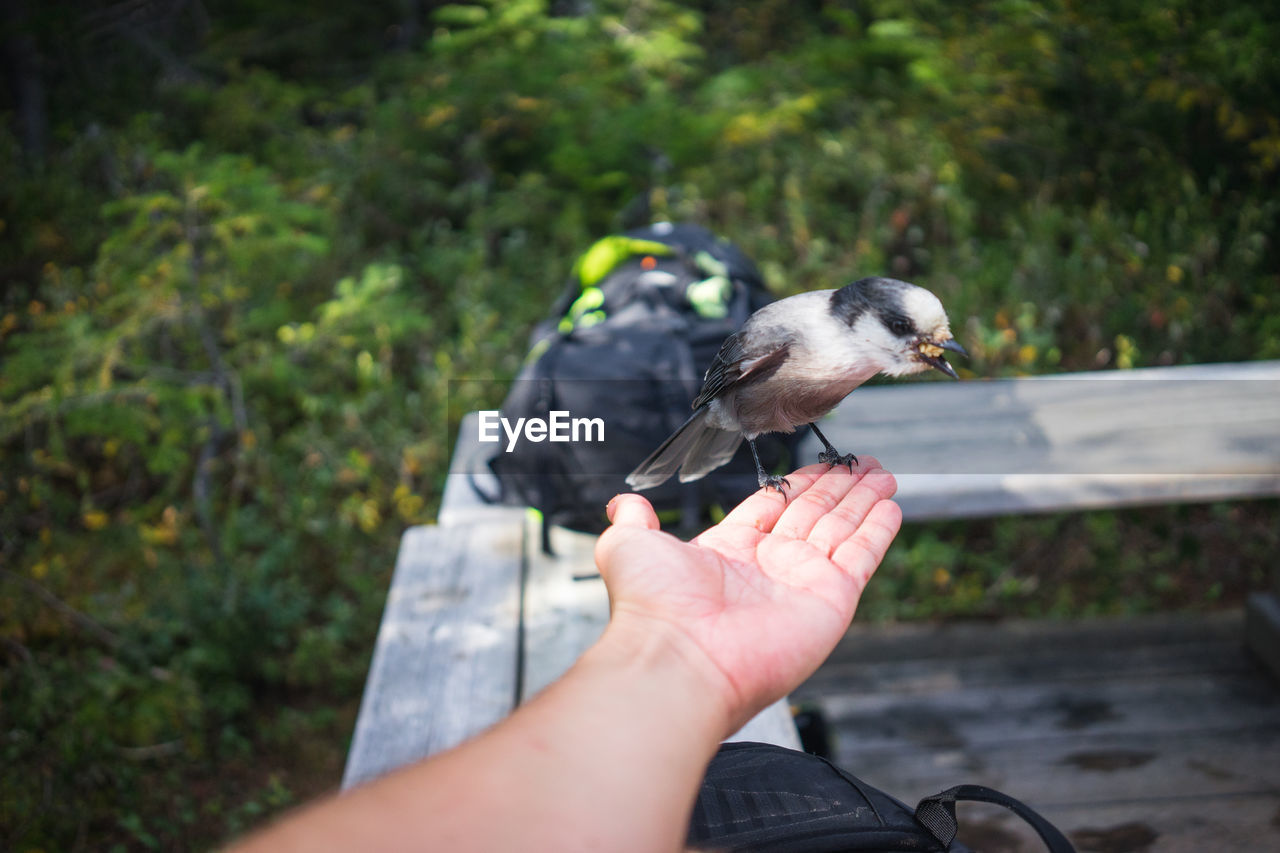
931, 354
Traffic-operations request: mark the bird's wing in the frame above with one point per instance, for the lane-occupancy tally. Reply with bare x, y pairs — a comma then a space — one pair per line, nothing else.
733, 366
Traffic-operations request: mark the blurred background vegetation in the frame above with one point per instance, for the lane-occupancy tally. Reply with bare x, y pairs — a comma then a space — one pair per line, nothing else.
244, 246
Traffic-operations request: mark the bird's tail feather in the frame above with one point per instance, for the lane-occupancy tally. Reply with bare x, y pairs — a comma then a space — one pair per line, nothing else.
715, 447
696, 449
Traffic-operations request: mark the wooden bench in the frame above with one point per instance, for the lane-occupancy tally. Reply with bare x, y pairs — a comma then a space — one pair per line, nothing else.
1152, 733
478, 618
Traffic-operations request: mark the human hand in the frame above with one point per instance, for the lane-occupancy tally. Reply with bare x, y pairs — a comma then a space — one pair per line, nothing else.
758, 601
704, 634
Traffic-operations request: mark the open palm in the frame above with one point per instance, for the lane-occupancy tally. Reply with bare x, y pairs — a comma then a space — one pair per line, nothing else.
765, 594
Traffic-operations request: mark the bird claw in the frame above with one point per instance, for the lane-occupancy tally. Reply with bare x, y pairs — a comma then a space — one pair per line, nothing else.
834, 457
773, 481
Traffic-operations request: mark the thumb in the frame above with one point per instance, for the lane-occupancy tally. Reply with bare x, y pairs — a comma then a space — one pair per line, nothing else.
629, 513
631, 510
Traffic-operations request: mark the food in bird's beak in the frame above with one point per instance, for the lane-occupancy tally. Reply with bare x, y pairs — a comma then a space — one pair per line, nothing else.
931, 354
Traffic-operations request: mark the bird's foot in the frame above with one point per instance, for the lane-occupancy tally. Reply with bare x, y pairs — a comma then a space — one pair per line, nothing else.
834, 457
773, 481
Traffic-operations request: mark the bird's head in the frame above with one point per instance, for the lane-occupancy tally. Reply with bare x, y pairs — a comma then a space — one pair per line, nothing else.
904, 325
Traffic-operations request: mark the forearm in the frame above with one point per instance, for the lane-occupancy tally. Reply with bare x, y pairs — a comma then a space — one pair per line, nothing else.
702, 635
607, 758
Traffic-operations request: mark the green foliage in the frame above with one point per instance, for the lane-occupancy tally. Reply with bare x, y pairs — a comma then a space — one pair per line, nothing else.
251, 253
1077, 564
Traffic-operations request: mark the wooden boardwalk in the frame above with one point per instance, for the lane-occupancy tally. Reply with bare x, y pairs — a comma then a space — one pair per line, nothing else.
478, 620
1153, 734
1158, 735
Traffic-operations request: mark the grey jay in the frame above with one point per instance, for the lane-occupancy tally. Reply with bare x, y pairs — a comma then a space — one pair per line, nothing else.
792, 362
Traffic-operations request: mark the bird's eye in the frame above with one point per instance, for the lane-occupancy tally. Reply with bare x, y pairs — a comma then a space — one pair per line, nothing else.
900, 327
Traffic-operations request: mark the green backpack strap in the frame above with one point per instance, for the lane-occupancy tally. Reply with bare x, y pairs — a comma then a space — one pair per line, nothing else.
607, 253
604, 256
710, 296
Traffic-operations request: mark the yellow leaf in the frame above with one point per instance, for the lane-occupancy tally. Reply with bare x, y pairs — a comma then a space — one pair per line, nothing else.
95, 519
409, 507
158, 534
369, 516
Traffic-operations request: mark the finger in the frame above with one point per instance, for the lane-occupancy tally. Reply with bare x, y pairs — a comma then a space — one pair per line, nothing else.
762, 508
804, 510
832, 529
630, 514
631, 510
860, 554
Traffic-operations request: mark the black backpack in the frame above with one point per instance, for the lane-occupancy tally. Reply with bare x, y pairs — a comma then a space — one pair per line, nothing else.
623, 353
761, 797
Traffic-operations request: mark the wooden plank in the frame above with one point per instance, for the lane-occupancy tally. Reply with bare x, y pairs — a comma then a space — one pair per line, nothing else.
772, 725
1035, 716
470, 485
1155, 727
1063, 668
973, 654
1262, 623
866, 642
1166, 672
1176, 825
1179, 825
1262, 629
1074, 441
1086, 770
1099, 785
949, 496
444, 667
566, 605
566, 609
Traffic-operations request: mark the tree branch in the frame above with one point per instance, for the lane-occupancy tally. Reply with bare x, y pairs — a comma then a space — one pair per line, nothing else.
75, 617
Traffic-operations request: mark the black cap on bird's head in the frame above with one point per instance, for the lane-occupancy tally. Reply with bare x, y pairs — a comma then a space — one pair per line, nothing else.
905, 323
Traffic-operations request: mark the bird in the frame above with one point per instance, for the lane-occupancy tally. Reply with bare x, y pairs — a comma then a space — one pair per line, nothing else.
791, 362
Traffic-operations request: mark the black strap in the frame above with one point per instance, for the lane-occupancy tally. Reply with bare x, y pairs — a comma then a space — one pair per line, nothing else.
545, 487
938, 815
